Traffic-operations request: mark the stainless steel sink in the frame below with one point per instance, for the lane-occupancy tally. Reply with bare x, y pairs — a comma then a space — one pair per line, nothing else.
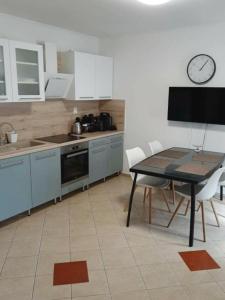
19, 146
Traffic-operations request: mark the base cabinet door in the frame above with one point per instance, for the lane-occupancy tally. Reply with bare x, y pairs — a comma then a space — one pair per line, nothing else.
46, 176
98, 163
15, 186
116, 157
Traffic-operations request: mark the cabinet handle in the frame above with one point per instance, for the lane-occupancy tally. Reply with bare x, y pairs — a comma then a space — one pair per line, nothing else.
30, 98
86, 97
105, 97
40, 157
5, 98
13, 164
116, 145
99, 150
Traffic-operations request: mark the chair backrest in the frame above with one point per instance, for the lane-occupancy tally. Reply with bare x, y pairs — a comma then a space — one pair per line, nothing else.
211, 186
155, 147
134, 156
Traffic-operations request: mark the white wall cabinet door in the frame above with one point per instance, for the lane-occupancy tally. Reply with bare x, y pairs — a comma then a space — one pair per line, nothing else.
27, 71
5, 74
84, 76
103, 77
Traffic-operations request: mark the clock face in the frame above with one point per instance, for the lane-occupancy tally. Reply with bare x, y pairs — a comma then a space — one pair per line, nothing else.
201, 69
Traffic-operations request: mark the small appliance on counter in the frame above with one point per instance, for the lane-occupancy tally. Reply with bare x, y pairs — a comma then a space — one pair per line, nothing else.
91, 123
76, 127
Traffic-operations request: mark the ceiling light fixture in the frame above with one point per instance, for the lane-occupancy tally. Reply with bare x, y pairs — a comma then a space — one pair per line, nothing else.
153, 2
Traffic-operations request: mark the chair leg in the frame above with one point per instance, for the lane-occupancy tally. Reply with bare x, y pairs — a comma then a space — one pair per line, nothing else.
150, 205
203, 221
186, 210
214, 211
165, 199
145, 194
173, 192
175, 212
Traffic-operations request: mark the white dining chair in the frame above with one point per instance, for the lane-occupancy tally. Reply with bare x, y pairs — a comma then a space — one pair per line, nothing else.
135, 156
222, 185
204, 192
156, 147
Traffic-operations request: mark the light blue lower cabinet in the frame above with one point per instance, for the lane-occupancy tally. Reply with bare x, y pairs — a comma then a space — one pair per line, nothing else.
116, 158
15, 186
105, 157
45, 176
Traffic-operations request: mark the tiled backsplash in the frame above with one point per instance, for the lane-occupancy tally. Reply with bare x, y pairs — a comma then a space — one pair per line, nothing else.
32, 120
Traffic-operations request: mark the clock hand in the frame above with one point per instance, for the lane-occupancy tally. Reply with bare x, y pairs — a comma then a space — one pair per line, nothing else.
204, 65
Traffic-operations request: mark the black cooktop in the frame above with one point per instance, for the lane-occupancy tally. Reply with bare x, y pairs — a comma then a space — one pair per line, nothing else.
61, 138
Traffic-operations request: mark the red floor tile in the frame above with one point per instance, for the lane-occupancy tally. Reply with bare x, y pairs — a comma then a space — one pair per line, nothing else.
70, 273
199, 260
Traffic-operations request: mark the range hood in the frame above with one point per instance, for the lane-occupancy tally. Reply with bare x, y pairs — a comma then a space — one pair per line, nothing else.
57, 84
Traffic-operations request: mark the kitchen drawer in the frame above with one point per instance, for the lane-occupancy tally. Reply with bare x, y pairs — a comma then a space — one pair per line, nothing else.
99, 142
116, 138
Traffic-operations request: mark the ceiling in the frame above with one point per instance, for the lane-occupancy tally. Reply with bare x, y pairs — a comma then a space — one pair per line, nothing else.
116, 17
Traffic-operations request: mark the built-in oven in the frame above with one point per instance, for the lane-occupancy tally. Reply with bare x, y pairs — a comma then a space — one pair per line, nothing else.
74, 162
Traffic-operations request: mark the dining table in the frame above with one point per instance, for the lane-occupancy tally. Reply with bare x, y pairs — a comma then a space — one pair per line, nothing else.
179, 165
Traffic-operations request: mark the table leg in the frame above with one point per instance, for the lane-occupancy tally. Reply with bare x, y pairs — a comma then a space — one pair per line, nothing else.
192, 220
131, 199
221, 193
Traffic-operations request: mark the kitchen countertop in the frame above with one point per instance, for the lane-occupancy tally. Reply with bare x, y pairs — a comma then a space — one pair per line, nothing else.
6, 152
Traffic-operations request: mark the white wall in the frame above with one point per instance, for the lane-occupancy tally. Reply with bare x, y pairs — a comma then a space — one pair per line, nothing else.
146, 65
25, 30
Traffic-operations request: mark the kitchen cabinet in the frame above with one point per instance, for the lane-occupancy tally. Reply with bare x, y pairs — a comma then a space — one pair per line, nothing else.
116, 155
45, 176
92, 75
105, 157
103, 77
15, 186
27, 71
5, 73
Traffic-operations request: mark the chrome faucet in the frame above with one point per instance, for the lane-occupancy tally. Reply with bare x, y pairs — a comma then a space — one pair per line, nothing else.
3, 139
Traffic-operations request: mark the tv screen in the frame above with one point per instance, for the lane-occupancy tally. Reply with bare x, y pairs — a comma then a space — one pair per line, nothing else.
197, 104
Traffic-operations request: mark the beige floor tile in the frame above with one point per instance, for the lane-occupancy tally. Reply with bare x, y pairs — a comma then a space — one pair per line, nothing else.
171, 293
93, 258
139, 240
28, 232
118, 258
158, 276
44, 289
46, 262
19, 267
82, 229
148, 255
105, 217
205, 291
57, 232
84, 242
98, 297
186, 277
134, 295
6, 235
124, 280
55, 244
97, 285
4, 248
112, 241
27, 247
16, 288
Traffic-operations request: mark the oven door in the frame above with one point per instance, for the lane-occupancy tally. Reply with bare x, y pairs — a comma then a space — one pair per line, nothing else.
74, 165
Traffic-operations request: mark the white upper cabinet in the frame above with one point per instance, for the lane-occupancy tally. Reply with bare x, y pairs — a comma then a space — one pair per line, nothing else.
92, 75
5, 74
84, 76
27, 71
103, 77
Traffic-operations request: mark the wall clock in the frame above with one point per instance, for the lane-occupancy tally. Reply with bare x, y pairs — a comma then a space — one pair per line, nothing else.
201, 69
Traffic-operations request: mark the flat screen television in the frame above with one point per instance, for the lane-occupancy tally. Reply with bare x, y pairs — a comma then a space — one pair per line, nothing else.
197, 104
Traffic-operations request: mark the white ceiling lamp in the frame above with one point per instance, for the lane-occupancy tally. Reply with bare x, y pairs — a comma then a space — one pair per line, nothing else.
154, 2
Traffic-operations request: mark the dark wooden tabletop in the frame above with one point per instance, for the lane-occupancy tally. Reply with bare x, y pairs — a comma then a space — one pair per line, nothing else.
181, 164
